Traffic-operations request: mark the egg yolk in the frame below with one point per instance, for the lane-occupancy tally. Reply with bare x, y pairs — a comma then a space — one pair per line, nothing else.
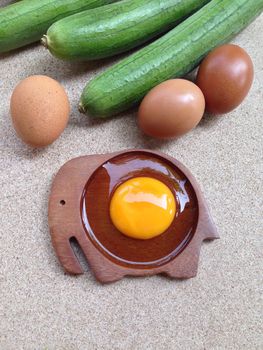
142, 208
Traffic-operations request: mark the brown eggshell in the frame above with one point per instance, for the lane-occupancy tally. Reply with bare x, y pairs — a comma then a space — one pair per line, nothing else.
40, 110
225, 76
171, 109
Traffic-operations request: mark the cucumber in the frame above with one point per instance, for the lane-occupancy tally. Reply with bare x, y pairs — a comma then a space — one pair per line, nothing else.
115, 28
173, 55
26, 21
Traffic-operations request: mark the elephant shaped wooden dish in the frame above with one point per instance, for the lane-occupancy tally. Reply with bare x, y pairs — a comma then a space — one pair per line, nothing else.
85, 198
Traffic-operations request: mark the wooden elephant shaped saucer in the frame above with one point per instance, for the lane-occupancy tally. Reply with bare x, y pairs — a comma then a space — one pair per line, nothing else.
79, 208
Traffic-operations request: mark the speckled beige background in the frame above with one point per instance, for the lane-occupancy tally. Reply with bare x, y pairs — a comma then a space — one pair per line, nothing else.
42, 308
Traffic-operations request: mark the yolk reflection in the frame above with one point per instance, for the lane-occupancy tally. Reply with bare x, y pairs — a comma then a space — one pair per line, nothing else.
142, 208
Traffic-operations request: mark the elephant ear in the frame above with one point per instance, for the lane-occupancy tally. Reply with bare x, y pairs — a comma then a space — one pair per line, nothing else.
64, 214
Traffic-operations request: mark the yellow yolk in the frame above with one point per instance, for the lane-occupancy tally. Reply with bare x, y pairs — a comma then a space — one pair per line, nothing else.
142, 208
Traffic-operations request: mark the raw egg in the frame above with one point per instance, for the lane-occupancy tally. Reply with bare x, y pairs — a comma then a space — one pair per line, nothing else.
138, 208
171, 109
142, 208
225, 77
40, 110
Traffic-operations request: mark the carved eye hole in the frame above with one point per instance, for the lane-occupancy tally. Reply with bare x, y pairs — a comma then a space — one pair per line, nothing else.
62, 202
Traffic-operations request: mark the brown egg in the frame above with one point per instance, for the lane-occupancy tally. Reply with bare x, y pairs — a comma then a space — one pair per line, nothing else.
40, 110
171, 109
225, 77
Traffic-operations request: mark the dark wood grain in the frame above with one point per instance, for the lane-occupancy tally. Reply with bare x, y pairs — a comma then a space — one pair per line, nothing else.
110, 254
